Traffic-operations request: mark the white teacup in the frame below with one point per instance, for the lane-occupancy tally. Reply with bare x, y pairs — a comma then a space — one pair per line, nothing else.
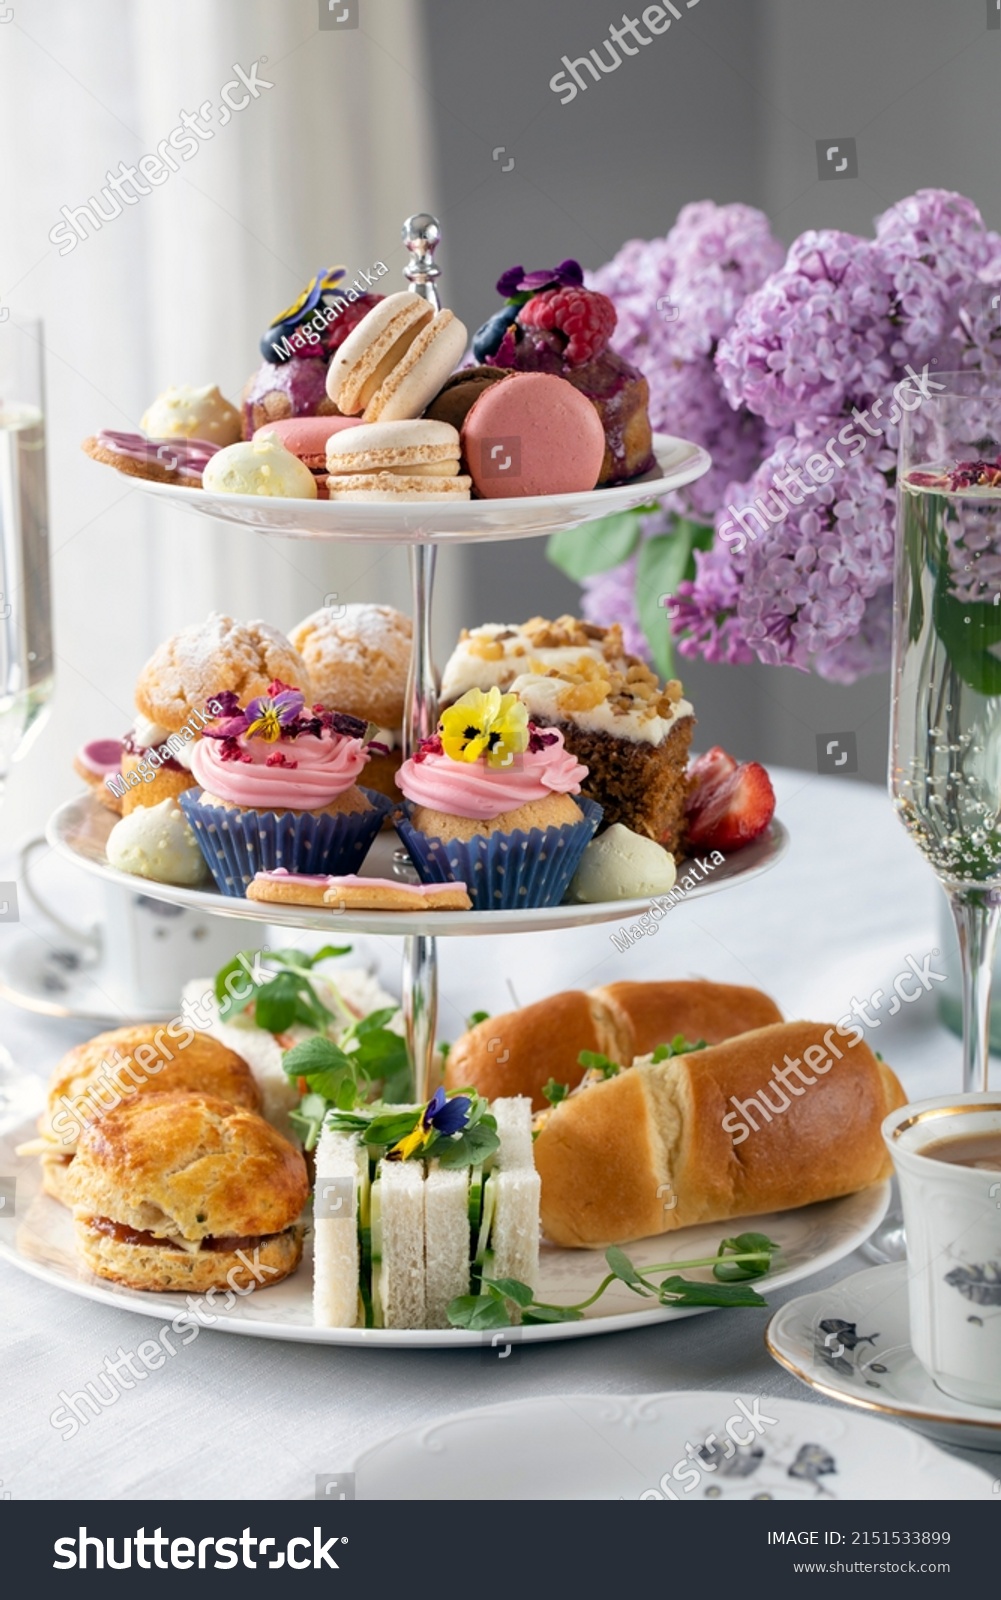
952, 1218
145, 950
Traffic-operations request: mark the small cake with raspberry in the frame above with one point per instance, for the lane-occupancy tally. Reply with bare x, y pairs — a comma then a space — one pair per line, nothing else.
492, 656
631, 733
553, 324
297, 347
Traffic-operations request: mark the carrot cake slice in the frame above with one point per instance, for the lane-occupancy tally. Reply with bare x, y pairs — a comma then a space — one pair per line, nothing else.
494, 655
631, 732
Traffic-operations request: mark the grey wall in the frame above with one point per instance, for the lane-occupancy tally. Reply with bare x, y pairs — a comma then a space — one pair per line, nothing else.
726, 105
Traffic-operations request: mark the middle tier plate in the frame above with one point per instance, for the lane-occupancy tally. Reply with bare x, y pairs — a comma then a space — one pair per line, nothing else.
79, 831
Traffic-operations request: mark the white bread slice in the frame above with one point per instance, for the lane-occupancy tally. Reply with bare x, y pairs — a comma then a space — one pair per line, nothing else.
401, 1272
335, 1239
446, 1240
514, 1238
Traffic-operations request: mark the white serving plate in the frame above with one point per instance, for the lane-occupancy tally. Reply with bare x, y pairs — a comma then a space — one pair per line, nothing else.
432, 521
619, 1447
38, 1238
873, 1366
80, 828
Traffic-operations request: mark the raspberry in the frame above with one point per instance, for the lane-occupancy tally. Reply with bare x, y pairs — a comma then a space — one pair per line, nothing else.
587, 320
346, 320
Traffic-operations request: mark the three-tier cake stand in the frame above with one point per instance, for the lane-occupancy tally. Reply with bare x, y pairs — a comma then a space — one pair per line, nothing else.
79, 829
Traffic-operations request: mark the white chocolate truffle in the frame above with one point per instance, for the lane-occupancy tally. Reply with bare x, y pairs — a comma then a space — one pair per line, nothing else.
157, 842
259, 466
622, 865
184, 412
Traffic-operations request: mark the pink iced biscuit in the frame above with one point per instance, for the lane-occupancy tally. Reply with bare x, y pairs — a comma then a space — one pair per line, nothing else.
102, 757
351, 880
533, 433
307, 437
352, 893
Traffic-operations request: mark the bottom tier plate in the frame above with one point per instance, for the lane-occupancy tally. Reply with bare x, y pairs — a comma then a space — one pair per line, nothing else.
38, 1238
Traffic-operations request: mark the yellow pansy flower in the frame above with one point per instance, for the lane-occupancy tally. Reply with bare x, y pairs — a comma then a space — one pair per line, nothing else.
493, 725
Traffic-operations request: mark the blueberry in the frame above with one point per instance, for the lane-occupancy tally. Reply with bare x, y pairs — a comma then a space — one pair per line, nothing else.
486, 340
270, 345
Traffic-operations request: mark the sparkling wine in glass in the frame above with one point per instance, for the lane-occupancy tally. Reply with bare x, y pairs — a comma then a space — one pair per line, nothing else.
26, 664
945, 755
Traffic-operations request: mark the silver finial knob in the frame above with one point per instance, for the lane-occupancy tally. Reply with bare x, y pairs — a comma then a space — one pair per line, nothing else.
422, 235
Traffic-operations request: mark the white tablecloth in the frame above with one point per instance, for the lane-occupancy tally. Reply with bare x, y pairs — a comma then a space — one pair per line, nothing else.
239, 1418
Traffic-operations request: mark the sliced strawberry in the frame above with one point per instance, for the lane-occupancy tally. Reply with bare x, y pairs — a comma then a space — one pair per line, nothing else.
730, 803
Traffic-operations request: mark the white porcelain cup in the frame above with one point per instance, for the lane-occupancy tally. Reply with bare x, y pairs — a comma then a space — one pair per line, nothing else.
952, 1218
145, 950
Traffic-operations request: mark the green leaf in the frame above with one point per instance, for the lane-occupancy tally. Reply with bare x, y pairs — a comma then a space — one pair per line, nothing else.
328, 951
478, 1312
373, 1022
511, 1289
276, 1003
313, 1055
663, 562
683, 1292
678, 1046
230, 1005
598, 546
389, 1127
593, 1061
620, 1264
476, 1017
539, 1312
756, 1245
555, 1092
469, 1148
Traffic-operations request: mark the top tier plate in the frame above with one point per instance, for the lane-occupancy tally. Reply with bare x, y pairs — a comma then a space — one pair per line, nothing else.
439, 522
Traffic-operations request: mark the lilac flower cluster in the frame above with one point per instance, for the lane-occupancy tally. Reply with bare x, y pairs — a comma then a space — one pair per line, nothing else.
763, 361
675, 298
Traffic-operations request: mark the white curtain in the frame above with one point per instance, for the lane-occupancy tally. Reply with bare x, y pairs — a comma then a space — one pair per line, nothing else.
320, 167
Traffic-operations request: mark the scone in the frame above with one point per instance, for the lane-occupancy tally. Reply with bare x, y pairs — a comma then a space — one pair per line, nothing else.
118, 1066
187, 1192
174, 688
358, 657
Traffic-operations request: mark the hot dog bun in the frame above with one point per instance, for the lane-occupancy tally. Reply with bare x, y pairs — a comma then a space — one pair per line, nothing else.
519, 1051
663, 1145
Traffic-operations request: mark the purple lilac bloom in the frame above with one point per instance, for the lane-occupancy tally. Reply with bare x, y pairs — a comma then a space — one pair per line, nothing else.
809, 554
866, 651
704, 616
936, 250
611, 597
813, 341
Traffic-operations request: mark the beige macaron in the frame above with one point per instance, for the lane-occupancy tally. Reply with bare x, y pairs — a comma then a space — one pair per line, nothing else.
418, 448
393, 486
395, 361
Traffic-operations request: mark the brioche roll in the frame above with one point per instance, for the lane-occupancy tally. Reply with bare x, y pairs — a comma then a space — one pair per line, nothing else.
713, 1135
519, 1051
694, 1008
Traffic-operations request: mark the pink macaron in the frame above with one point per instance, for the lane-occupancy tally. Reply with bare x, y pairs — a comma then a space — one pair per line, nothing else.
307, 437
533, 433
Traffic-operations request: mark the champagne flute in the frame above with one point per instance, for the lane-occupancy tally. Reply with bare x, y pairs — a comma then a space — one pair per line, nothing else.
945, 730
26, 663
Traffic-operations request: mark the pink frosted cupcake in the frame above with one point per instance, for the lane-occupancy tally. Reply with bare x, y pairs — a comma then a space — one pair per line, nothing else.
278, 787
495, 803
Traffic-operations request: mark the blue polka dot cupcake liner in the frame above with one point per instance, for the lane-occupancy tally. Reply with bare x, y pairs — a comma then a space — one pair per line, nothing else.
239, 844
505, 871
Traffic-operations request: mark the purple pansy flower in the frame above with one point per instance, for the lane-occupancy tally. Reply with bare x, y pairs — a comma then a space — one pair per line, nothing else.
517, 284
